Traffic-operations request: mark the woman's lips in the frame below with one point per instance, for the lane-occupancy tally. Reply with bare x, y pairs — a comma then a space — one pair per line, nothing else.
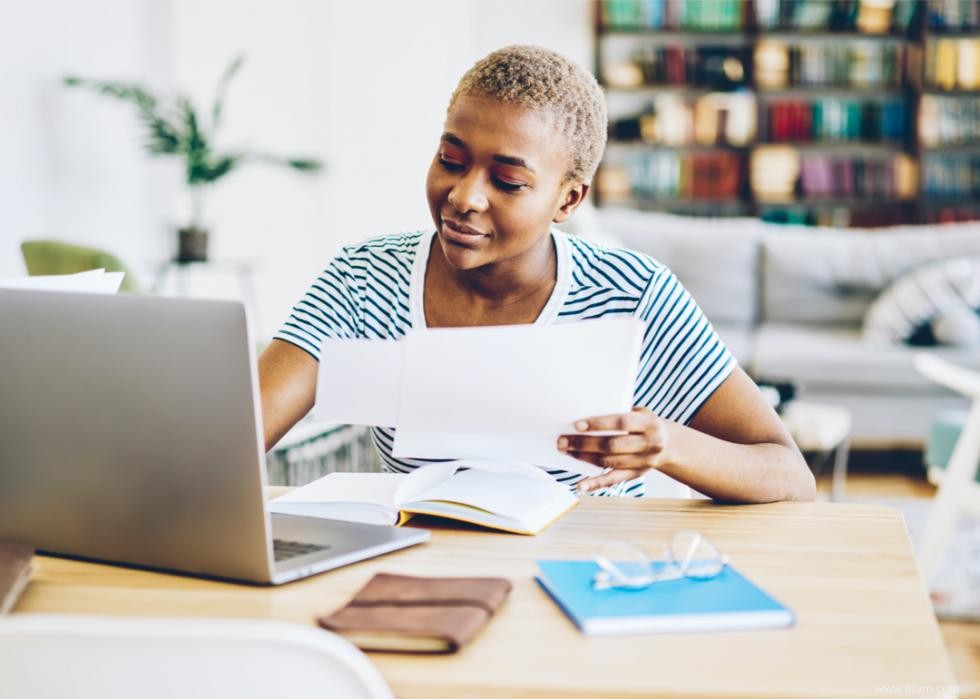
460, 233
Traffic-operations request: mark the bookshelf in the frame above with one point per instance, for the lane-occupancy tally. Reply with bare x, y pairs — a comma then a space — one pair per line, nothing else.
835, 112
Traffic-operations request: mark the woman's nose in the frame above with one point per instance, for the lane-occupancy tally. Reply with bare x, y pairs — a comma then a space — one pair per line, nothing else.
467, 194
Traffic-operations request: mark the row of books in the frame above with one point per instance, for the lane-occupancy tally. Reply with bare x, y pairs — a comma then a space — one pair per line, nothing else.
833, 119
781, 173
850, 64
953, 64
716, 15
716, 67
949, 120
951, 175
777, 64
870, 16
727, 118
951, 214
652, 176
855, 177
837, 216
953, 14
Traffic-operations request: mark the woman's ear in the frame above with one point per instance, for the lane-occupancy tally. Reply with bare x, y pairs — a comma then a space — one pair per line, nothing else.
573, 198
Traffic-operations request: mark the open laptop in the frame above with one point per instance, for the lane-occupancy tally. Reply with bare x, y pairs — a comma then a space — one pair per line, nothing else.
131, 432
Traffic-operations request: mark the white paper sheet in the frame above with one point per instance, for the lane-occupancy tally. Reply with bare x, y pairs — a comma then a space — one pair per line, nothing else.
95, 281
358, 382
507, 393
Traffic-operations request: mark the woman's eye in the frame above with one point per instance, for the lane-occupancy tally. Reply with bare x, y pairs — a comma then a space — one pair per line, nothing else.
450, 165
508, 186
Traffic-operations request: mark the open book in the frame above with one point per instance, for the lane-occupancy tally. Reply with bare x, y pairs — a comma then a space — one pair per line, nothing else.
519, 499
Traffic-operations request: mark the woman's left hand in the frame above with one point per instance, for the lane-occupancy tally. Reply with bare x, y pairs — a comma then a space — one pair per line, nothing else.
630, 455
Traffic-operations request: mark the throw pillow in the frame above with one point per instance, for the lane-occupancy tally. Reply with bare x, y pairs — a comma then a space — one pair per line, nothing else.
960, 328
943, 296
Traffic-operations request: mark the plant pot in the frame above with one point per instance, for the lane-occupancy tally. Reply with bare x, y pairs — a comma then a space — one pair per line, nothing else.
192, 245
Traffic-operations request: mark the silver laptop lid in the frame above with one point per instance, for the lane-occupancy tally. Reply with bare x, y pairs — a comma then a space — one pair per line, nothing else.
130, 431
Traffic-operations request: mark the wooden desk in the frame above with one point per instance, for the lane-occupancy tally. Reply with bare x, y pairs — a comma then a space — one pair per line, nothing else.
863, 617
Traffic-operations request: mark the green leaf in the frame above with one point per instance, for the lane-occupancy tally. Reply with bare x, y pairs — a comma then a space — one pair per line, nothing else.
219, 99
163, 137
130, 92
179, 131
195, 141
305, 165
301, 164
208, 169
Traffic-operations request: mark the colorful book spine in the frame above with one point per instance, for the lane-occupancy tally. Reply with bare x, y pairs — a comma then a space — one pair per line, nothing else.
836, 177
858, 64
955, 15
836, 15
697, 15
953, 64
836, 216
727, 119
835, 120
701, 176
951, 175
947, 121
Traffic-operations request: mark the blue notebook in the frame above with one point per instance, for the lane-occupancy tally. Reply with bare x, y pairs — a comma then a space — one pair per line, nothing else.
727, 602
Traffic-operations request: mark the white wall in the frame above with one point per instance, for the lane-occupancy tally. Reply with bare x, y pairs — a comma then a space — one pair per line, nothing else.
70, 165
362, 85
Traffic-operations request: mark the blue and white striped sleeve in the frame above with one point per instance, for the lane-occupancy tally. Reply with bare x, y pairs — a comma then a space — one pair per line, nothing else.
329, 309
682, 361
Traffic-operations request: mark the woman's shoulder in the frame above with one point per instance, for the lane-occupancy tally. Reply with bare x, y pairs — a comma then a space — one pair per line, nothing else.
613, 266
391, 255
391, 243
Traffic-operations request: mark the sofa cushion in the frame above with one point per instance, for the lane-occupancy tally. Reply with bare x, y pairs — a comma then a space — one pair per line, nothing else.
717, 260
817, 355
824, 275
905, 311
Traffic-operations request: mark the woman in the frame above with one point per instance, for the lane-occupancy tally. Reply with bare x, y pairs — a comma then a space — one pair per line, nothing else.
524, 133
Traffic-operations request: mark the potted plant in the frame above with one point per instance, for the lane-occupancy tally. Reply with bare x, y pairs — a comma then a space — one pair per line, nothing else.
174, 128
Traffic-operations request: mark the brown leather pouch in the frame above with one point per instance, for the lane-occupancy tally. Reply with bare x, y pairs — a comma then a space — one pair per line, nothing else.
404, 613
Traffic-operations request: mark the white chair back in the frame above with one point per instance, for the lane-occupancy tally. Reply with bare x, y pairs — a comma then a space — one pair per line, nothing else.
51, 656
958, 492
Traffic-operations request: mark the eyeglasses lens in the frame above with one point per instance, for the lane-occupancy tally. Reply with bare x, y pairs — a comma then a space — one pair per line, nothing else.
625, 562
696, 556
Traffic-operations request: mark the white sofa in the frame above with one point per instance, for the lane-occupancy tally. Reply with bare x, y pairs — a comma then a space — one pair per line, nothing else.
789, 302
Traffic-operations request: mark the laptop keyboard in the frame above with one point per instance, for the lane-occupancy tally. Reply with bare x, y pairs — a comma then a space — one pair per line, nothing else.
285, 550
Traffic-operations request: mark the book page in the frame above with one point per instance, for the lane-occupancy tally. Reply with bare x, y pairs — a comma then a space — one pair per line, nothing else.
516, 497
361, 512
418, 482
378, 488
415, 484
356, 497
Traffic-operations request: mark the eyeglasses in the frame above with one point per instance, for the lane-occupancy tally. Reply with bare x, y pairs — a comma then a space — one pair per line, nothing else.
623, 565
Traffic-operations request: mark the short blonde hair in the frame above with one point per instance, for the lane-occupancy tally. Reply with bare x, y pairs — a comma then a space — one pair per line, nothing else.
537, 78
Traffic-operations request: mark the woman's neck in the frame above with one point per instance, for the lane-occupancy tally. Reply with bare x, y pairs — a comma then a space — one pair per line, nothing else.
505, 283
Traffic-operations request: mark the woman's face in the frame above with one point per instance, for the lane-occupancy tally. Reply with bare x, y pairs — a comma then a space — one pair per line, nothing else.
497, 182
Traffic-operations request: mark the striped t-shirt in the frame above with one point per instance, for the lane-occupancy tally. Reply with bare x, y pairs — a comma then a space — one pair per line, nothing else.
373, 290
